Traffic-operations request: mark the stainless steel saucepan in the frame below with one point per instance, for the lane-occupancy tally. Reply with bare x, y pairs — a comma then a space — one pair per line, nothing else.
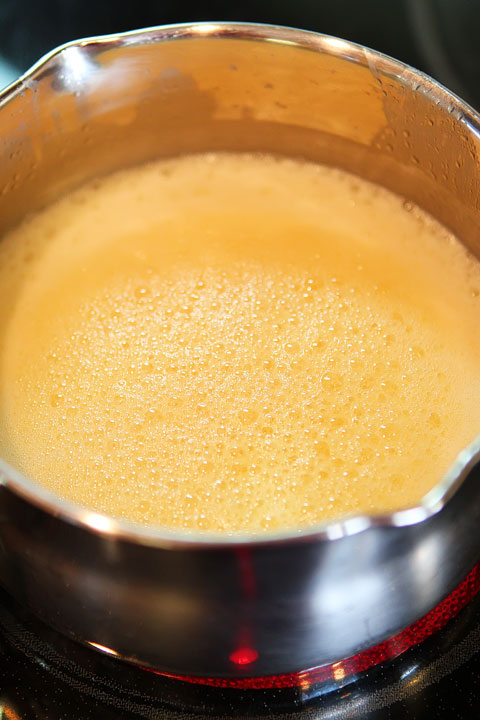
184, 603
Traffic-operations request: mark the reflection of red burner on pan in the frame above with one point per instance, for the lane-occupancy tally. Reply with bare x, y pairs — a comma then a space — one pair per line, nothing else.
244, 656
429, 624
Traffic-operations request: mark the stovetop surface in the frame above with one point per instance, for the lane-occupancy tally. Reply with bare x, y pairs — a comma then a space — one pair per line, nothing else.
44, 676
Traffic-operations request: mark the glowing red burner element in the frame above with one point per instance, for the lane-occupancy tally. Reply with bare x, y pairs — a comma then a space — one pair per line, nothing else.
244, 656
429, 624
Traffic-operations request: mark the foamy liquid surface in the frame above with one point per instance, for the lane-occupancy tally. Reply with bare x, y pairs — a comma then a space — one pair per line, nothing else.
236, 342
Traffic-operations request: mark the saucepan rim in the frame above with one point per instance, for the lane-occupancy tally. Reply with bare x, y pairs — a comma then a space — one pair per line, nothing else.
157, 536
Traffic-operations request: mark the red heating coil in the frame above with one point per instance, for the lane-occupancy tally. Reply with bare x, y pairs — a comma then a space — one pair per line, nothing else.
391, 648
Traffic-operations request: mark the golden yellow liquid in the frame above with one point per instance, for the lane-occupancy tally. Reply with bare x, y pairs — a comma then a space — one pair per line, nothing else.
236, 342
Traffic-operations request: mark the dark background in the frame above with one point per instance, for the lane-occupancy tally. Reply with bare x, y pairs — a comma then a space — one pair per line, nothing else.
441, 37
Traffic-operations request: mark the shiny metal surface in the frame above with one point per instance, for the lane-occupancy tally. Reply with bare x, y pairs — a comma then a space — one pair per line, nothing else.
184, 603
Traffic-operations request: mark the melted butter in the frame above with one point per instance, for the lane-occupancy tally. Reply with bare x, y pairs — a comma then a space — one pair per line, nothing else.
236, 342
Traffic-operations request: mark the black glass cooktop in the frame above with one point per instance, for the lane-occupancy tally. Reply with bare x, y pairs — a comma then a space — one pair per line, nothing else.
44, 676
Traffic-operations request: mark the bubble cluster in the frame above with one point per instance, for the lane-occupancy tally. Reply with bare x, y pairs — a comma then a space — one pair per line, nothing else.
236, 343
